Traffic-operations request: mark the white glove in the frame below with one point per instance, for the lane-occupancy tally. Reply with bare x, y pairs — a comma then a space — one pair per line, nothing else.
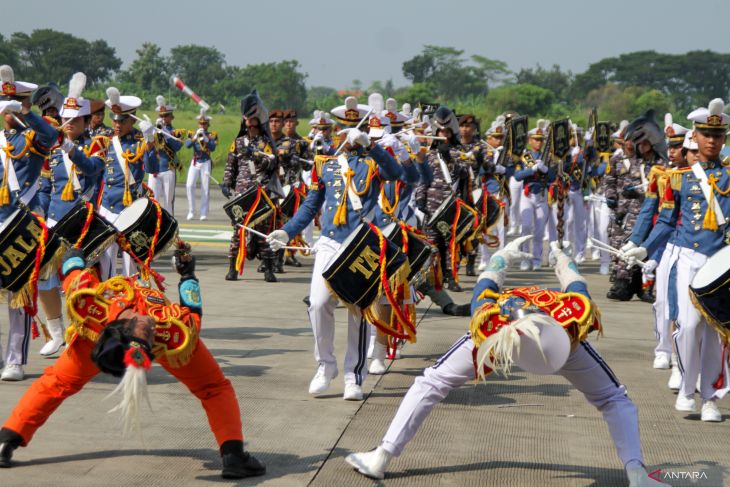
632, 256
540, 166
67, 146
502, 259
159, 122
10, 106
148, 130
389, 140
354, 136
628, 246
200, 132
500, 169
277, 239
588, 137
412, 142
649, 268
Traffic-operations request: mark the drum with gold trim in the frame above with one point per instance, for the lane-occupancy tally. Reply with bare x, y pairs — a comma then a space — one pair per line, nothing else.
419, 250
84, 228
442, 219
354, 275
710, 291
253, 199
145, 223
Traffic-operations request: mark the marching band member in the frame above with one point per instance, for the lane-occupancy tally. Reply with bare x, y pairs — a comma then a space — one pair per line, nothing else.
132, 154
122, 341
346, 189
534, 209
96, 123
699, 197
251, 162
203, 142
72, 174
492, 175
514, 326
162, 184
25, 143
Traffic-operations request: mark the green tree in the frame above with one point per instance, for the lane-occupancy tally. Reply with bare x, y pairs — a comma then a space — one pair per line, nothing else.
149, 70
8, 55
416, 93
280, 85
198, 66
655, 99
553, 79
525, 99
48, 55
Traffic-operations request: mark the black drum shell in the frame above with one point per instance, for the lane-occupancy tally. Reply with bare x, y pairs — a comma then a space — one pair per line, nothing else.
139, 234
351, 286
443, 218
97, 238
713, 299
238, 207
18, 247
419, 250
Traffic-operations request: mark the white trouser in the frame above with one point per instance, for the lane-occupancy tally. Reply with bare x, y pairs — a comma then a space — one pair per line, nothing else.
515, 194
308, 234
108, 260
163, 185
584, 369
534, 213
485, 252
662, 327
699, 351
575, 221
19, 336
197, 170
322, 317
601, 221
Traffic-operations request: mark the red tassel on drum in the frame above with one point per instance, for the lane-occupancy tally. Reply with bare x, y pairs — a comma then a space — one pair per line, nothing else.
720, 382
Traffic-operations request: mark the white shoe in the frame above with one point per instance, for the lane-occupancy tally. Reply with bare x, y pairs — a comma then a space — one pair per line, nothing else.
580, 258
377, 365
604, 269
13, 373
320, 383
512, 232
55, 329
203, 218
482, 266
685, 403
675, 380
190, 216
661, 361
638, 477
596, 254
353, 392
372, 463
525, 265
710, 411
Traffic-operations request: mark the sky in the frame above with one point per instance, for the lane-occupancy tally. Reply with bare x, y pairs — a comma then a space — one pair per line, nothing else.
338, 42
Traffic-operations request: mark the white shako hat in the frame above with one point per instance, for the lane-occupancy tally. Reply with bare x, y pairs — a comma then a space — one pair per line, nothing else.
74, 105
121, 106
163, 108
11, 88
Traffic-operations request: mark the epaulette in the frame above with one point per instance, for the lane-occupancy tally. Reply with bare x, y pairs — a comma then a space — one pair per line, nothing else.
180, 133
232, 148
726, 161
214, 135
656, 172
138, 136
675, 177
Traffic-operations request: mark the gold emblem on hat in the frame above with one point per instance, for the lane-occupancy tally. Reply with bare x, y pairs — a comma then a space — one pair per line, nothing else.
714, 120
9, 89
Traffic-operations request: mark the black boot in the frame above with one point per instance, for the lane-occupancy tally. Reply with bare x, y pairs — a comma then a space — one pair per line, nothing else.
621, 290
9, 441
279, 262
269, 269
292, 261
261, 268
239, 464
453, 309
470, 260
452, 285
232, 272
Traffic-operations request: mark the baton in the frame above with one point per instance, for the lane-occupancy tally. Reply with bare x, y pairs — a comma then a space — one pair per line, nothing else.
180, 85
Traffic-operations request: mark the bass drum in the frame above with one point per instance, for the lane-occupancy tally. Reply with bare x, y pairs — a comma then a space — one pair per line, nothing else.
253, 199
84, 228
710, 291
140, 221
419, 250
442, 219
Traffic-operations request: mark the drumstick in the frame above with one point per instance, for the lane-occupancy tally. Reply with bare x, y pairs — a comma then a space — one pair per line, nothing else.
612, 250
19, 121
357, 127
256, 232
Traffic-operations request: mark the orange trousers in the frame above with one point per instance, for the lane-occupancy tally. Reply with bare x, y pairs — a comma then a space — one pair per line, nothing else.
74, 368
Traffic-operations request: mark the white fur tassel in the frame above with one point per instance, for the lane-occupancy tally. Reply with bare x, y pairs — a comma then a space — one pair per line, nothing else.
6, 74
76, 85
716, 106
113, 94
496, 352
133, 388
376, 101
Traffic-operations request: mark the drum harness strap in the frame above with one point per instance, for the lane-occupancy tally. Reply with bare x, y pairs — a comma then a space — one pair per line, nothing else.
10, 179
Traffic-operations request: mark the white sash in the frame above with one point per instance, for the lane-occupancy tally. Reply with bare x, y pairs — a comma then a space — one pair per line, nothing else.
122, 161
700, 174
444, 170
644, 183
354, 198
12, 178
68, 164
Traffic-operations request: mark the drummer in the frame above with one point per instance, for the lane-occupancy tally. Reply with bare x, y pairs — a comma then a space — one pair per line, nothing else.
132, 153
346, 190
31, 139
702, 232
546, 343
67, 191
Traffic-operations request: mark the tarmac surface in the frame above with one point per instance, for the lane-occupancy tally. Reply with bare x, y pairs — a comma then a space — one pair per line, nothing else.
521, 430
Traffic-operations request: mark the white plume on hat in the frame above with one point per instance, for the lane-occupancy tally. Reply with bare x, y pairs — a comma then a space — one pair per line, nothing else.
204, 114
406, 109
113, 94
500, 120
6, 74
542, 124
351, 103
391, 105
317, 114
668, 120
716, 106
160, 101
417, 113
377, 102
76, 85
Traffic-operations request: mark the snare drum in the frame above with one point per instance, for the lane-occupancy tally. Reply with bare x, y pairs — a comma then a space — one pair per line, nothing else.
138, 224
488, 208
419, 250
19, 236
442, 219
710, 291
85, 229
291, 202
353, 274
255, 200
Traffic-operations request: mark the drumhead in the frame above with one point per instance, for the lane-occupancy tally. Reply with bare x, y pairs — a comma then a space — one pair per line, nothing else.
131, 214
9, 220
715, 267
476, 194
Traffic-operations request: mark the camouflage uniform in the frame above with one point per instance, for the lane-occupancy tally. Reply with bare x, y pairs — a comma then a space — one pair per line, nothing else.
238, 175
287, 147
473, 154
100, 130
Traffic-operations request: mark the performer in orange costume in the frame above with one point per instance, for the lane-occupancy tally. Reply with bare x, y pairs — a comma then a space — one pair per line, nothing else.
118, 327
